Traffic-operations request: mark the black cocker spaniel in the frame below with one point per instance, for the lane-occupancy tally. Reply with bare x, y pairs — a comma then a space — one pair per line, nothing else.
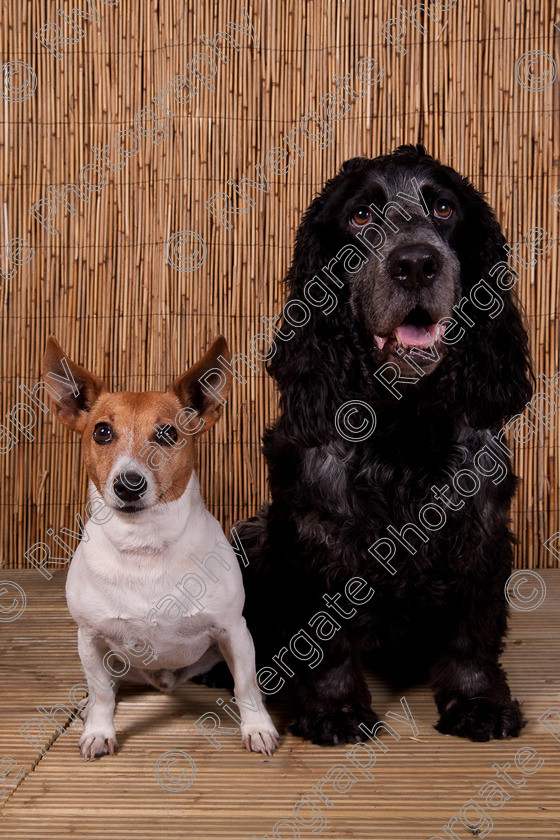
400, 355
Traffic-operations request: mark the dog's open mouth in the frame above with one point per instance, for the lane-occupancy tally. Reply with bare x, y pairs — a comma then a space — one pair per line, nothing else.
418, 331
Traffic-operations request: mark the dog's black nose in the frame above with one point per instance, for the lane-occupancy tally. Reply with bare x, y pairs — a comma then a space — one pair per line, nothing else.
414, 266
129, 486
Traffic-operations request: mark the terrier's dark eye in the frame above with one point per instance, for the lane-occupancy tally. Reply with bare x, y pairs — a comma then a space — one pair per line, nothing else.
362, 216
167, 435
103, 433
442, 209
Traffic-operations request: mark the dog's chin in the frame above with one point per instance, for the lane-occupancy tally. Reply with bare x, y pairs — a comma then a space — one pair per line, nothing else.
413, 345
127, 509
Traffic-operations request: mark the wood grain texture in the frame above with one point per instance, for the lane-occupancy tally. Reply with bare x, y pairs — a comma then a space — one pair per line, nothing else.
419, 783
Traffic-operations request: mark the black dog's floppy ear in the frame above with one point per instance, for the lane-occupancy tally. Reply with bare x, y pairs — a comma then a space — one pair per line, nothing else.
205, 386
492, 377
76, 389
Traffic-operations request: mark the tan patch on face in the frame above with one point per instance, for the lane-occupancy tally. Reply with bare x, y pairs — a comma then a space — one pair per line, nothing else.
132, 418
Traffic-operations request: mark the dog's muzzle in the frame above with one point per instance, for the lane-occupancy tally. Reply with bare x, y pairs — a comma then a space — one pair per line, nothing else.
414, 266
129, 486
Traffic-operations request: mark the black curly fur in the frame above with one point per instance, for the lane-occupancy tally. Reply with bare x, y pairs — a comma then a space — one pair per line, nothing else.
443, 613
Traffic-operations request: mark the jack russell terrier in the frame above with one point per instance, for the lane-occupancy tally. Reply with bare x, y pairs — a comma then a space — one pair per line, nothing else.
139, 452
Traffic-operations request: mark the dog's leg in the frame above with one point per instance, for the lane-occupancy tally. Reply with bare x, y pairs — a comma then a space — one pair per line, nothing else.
333, 697
99, 736
470, 687
258, 733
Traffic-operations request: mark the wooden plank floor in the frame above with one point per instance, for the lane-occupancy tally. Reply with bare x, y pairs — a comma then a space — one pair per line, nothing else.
420, 783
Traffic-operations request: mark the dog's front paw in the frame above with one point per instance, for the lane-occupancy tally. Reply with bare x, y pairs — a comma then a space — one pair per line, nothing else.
94, 744
481, 719
82, 708
341, 727
260, 736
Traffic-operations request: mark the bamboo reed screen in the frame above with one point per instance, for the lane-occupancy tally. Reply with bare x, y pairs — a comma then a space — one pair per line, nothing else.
470, 87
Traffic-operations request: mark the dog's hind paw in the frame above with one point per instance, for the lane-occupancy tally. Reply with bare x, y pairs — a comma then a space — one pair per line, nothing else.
261, 738
95, 744
481, 719
342, 727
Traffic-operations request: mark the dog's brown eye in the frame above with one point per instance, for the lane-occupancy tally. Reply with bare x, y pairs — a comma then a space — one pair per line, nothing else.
103, 433
362, 216
442, 209
167, 435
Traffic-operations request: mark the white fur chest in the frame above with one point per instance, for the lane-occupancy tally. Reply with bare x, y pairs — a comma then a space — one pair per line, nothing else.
157, 581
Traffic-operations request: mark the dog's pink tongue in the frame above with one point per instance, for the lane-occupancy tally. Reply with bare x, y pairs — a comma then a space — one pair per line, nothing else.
417, 336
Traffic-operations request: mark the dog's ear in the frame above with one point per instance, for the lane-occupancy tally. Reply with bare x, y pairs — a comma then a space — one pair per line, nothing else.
76, 389
491, 370
310, 358
205, 386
